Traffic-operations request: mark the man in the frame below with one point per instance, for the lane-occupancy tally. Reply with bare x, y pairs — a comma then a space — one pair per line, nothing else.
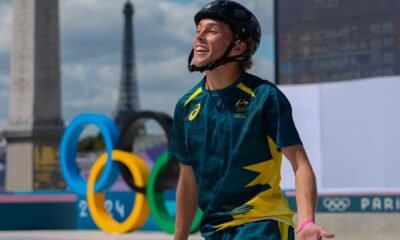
229, 133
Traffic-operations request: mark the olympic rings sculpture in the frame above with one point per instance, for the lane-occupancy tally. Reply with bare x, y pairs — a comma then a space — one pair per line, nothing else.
105, 171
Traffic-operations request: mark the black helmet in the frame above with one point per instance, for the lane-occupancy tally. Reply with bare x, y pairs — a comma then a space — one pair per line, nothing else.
243, 23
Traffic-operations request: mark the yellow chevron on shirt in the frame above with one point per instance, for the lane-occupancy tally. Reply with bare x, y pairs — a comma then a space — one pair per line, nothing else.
246, 89
193, 96
261, 207
270, 203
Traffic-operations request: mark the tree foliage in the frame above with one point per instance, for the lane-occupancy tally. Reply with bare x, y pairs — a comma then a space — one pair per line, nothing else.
91, 143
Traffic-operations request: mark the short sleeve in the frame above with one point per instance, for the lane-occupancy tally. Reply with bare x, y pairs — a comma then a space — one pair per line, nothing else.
177, 148
279, 120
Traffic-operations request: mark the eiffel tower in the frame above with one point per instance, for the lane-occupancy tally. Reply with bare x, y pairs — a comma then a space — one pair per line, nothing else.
128, 101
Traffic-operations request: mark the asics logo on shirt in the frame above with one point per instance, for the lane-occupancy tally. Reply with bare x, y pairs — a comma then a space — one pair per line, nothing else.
194, 112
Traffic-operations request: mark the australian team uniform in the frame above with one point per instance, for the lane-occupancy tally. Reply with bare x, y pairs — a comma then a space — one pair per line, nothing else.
232, 139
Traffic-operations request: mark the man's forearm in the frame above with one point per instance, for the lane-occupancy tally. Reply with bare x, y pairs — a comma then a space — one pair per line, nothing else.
306, 195
306, 192
186, 206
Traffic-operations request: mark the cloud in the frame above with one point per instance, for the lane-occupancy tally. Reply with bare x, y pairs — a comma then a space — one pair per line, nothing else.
88, 88
5, 26
4, 86
90, 30
91, 51
5, 41
159, 26
4, 83
163, 82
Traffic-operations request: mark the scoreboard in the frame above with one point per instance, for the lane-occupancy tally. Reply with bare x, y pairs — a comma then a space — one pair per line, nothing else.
335, 40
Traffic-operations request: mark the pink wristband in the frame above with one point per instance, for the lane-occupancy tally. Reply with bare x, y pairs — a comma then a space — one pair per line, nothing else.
303, 225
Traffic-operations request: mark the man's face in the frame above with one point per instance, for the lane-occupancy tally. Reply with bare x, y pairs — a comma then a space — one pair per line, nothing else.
211, 41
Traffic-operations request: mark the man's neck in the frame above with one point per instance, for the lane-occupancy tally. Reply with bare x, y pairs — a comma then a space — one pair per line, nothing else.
222, 76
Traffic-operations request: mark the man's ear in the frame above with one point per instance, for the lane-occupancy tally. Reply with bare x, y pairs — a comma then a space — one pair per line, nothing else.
239, 49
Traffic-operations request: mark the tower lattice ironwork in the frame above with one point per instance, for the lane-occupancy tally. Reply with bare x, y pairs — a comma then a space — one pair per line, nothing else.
128, 101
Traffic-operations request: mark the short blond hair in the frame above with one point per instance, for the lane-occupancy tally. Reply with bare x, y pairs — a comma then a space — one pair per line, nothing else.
250, 49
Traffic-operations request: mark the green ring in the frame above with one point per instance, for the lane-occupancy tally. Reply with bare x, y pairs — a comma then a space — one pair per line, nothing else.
157, 202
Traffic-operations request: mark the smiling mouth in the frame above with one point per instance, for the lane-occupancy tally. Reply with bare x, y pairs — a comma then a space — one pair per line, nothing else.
201, 49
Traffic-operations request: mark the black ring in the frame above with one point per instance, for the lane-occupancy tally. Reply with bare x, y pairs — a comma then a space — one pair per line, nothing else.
127, 142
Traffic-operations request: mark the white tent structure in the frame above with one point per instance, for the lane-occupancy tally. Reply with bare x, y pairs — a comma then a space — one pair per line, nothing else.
351, 132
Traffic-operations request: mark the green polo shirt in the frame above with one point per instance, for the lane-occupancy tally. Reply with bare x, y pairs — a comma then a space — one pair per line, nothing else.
232, 139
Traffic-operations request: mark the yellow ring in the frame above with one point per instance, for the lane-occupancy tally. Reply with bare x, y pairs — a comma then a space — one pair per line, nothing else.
140, 210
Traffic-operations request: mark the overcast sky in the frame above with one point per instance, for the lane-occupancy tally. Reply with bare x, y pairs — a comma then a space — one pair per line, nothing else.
91, 42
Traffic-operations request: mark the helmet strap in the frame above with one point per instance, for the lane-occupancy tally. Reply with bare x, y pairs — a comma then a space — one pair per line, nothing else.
221, 61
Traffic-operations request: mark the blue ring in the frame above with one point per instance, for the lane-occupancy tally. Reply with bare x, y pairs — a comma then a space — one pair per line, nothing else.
68, 150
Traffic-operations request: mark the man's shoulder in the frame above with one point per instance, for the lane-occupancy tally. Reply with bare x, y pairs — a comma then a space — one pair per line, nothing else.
191, 94
261, 86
